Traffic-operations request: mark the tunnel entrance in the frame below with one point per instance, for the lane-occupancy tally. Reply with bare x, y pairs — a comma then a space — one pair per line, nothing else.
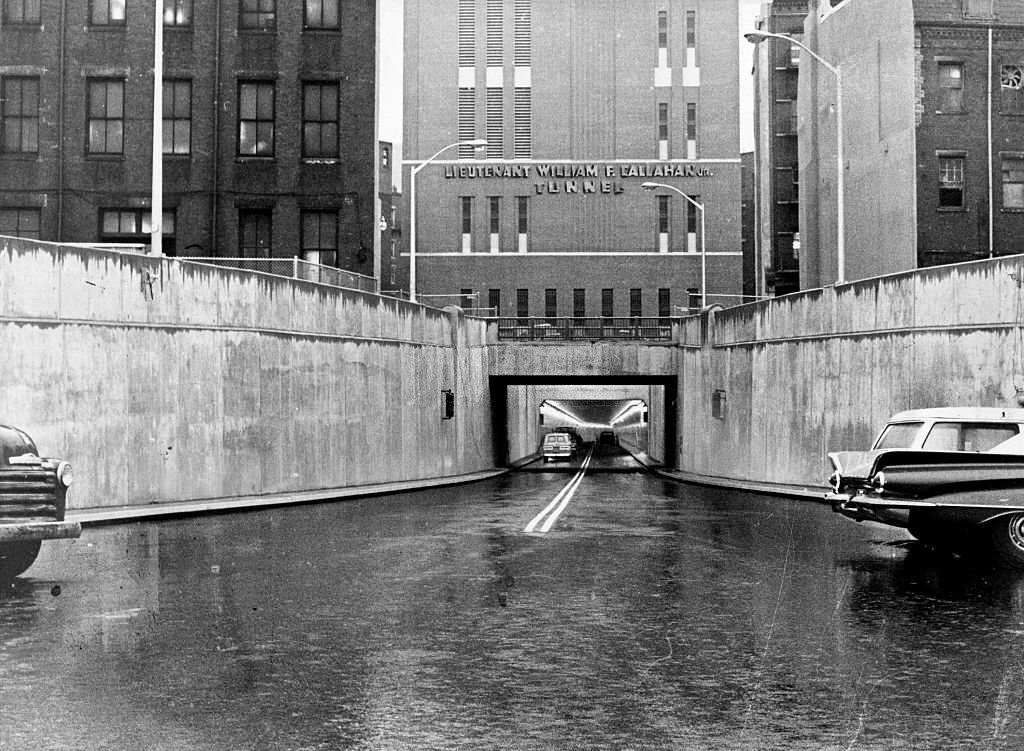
613, 415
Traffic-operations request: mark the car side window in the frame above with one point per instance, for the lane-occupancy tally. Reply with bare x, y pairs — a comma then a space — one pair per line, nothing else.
955, 436
898, 435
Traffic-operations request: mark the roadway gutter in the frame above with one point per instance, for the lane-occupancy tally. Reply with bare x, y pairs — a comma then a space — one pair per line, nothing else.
115, 514
805, 492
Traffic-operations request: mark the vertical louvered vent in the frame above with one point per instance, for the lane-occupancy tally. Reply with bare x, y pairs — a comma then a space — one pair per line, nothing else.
495, 126
522, 32
467, 120
495, 47
522, 132
467, 33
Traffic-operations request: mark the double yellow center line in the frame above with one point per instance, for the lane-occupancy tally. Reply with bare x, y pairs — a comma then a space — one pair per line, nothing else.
546, 519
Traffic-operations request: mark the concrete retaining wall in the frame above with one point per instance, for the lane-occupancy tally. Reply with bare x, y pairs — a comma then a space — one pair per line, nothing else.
820, 371
163, 380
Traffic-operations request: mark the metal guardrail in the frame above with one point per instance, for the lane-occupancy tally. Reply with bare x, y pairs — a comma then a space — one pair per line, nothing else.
293, 268
579, 329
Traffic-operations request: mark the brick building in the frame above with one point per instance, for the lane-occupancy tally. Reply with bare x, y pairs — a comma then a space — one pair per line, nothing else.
268, 127
776, 75
580, 104
934, 152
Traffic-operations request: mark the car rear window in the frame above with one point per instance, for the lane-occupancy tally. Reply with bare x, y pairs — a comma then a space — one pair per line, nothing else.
966, 436
557, 438
898, 435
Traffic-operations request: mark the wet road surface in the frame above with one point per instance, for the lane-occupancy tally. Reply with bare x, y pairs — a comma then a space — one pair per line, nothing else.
650, 615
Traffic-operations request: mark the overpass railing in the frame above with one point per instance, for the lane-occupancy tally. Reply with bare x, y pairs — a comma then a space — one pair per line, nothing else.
568, 329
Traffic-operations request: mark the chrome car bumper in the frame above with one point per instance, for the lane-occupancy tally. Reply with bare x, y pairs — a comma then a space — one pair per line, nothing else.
28, 531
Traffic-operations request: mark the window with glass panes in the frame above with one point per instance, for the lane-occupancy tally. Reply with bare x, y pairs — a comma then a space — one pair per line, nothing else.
320, 120
607, 302
494, 301
951, 87
254, 233
322, 14
951, 181
177, 12
256, 118
522, 302
1013, 181
579, 302
258, 15
108, 13
320, 237
19, 105
105, 121
20, 222
550, 302
177, 122
664, 302
22, 12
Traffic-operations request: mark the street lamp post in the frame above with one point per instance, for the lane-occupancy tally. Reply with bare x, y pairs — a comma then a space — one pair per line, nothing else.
759, 36
417, 166
703, 248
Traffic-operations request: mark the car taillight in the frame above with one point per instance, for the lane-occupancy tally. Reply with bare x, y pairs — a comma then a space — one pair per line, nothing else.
878, 482
64, 474
835, 480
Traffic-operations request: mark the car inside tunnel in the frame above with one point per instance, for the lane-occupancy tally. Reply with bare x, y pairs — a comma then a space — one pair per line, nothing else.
615, 423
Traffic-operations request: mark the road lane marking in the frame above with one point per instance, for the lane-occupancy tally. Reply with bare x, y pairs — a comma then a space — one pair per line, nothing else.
549, 515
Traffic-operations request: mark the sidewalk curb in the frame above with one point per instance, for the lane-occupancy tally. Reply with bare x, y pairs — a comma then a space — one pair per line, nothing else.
115, 514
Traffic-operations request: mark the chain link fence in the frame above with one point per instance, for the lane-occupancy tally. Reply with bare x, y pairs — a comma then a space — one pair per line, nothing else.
294, 268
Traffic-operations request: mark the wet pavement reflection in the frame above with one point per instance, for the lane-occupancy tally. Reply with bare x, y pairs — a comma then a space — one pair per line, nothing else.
653, 615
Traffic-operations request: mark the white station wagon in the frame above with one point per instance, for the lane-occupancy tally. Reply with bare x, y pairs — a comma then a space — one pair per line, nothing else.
954, 429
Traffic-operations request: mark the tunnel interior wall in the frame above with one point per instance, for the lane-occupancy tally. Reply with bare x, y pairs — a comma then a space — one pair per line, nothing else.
163, 380
767, 390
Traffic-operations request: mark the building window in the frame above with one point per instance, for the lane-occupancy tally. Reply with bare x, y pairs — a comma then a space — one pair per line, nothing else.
467, 299
691, 130
793, 60
662, 130
22, 12
951, 182
977, 9
177, 12
1013, 182
523, 222
322, 14
19, 106
522, 24
636, 302
663, 216
107, 12
257, 15
495, 214
607, 302
579, 302
254, 233
691, 215
691, 38
662, 38
256, 118
467, 215
20, 222
693, 298
664, 302
135, 226
105, 124
551, 303
951, 87
177, 122
319, 240
320, 120
523, 303
1011, 89
494, 301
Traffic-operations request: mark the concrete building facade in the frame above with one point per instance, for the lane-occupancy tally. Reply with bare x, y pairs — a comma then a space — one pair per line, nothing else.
934, 151
580, 104
269, 146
